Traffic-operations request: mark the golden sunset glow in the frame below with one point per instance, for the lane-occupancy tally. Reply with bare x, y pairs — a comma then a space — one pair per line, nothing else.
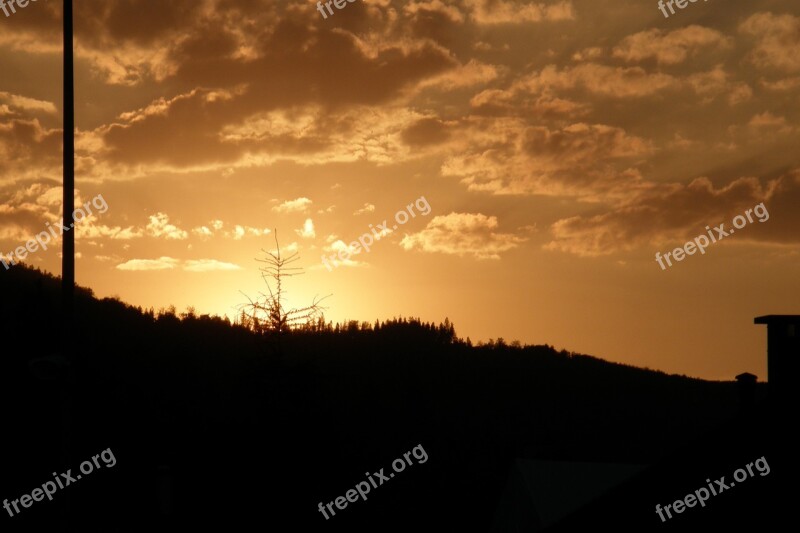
559, 145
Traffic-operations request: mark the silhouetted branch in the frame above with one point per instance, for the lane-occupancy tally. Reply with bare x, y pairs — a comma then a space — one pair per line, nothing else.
268, 313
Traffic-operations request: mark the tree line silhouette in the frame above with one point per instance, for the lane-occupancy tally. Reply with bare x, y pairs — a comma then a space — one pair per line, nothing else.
241, 421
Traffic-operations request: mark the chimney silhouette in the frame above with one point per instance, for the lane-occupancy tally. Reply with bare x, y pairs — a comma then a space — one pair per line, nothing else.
746, 383
783, 353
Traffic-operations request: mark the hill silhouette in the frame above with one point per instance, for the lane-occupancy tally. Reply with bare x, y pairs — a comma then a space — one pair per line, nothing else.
213, 425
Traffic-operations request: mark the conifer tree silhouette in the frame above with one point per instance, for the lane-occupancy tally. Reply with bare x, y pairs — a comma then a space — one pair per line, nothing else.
267, 313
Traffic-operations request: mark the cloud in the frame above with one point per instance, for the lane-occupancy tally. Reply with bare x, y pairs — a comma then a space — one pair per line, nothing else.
314, 135
239, 232
675, 213
785, 84
210, 61
27, 209
290, 248
298, 205
368, 208
52, 197
777, 41
542, 92
740, 92
107, 258
669, 48
519, 11
584, 107
202, 231
584, 160
603, 80
463, 234
588, 54
208, 265
169, 263
712, 83
29, 151
580, 143
24, 210
333, 249
307, 231
767, 120
90, 230
425, 132
162, 263
472, 73
511, 102
159, 226
418, 9
27, 104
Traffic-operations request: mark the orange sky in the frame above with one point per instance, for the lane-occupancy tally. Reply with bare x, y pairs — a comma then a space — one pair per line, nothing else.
559, 145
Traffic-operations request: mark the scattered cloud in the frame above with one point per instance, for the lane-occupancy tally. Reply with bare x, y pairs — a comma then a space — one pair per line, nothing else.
348, 254
676, 213
159, 226
214, 228
162, 263
208, 265
169, 263
588, 54
298, 205
463, 234
584, 160
669, 48
368, 208
767, 120
202, 231
777, 41
488, 12
307, 231
15, 101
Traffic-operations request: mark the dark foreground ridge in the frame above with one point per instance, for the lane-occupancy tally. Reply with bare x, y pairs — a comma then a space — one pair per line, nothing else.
213, 425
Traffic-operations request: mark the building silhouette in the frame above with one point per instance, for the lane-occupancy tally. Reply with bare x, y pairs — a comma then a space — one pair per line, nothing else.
783, 354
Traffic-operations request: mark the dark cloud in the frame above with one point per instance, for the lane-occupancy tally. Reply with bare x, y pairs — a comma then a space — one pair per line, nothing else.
675, 214
426, 131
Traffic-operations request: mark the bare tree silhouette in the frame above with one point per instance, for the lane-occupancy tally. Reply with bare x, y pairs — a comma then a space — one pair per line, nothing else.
267, 313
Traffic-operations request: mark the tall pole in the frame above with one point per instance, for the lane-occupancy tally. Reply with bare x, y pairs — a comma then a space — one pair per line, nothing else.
68, 255
68, 249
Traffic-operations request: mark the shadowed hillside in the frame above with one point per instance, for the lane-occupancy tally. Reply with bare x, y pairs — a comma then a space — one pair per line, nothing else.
212, 424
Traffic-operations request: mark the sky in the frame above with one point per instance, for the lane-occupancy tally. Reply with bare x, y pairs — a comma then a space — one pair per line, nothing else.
548, 149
